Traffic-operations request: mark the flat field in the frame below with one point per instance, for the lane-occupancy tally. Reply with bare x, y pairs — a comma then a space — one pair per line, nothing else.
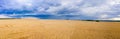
58, 29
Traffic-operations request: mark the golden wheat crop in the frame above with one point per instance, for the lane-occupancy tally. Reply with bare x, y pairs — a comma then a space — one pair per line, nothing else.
58, 29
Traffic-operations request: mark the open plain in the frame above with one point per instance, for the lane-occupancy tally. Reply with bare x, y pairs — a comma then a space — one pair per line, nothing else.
58, 29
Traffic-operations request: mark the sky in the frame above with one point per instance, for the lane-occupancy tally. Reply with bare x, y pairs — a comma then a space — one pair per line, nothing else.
61, 9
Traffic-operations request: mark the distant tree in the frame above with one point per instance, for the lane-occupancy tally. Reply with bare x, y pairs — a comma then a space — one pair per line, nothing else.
97, 21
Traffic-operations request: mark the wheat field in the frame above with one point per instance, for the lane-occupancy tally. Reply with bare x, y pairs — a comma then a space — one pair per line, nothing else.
58, 29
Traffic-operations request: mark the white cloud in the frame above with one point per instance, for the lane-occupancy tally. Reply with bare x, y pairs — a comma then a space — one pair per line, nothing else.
104, 16
18, 4
90, 11
99, 9
119, 15
90, 8
68, 4
54, 10
116, 18
111, 18
40, 9
113, 2
4, 16
87, 9
29, 18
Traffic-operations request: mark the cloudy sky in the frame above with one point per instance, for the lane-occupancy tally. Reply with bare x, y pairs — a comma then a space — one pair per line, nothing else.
61, 9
